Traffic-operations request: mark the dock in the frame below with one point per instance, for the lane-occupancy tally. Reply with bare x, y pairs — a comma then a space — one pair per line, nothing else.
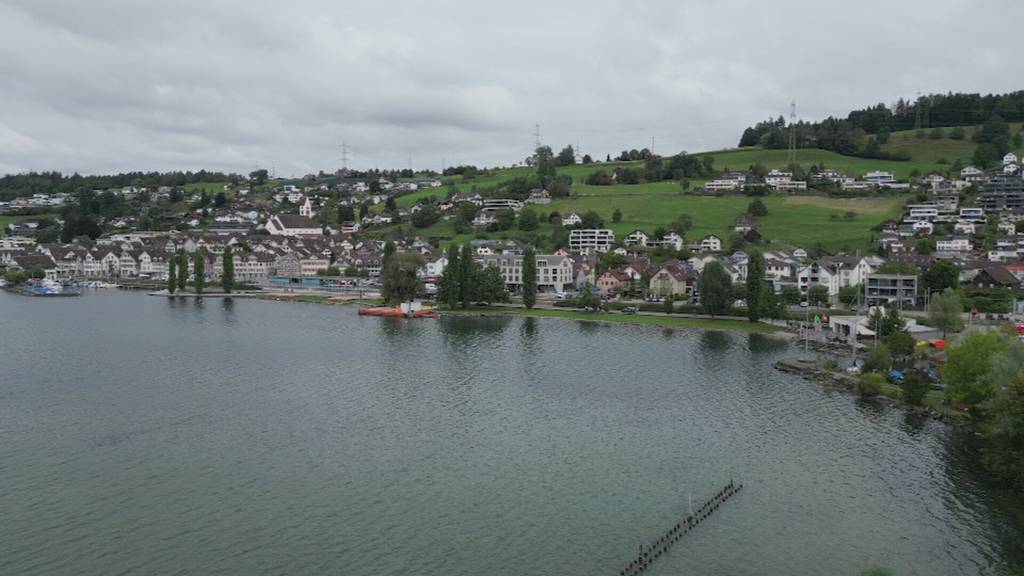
648, 553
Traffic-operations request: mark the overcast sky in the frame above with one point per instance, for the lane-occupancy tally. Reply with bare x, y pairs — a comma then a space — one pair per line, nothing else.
115, 85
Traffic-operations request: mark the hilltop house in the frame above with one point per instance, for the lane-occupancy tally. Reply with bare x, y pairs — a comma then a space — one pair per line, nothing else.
293, 225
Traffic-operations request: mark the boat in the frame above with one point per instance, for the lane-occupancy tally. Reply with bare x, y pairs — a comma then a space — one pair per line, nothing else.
49, 288
404, 310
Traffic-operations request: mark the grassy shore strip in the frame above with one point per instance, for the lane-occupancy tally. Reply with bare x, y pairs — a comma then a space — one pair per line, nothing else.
317, 298
663, 321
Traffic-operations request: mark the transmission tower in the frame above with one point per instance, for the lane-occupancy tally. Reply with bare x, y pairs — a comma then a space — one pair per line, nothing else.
344, 156
792, 132
536, 135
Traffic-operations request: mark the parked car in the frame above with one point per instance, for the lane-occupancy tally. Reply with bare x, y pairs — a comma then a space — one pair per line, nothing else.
630, 310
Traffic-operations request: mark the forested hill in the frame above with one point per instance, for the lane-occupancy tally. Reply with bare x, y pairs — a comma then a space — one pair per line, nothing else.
863, 131
16, 185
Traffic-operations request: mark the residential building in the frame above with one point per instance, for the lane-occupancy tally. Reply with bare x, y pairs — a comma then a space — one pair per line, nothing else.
888, 289
587, 240
554, 273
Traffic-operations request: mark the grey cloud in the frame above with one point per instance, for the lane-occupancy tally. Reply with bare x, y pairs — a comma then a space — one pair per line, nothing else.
235, 84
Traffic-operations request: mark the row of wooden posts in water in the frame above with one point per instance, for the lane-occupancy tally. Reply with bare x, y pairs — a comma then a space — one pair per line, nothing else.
650, 552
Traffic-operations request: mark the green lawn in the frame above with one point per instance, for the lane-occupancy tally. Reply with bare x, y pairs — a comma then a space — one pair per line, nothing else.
5, 220
926, 150
663, 321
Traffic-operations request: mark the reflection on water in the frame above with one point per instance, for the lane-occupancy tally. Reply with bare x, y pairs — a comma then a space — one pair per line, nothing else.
762, 344
715, 341
458, 446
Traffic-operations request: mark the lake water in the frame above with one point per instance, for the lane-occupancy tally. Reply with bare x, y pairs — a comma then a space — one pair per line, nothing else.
141, 435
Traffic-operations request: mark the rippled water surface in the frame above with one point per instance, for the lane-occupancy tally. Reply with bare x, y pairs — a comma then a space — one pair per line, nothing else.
140, 435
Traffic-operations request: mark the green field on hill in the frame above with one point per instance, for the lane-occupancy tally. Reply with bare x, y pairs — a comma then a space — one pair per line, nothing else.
924, 150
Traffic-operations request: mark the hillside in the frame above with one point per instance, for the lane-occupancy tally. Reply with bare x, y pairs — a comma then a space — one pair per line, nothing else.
791, 220
929, 150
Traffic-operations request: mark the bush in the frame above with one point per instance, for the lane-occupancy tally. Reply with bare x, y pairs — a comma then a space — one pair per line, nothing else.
878, 360
870, 385
914, 386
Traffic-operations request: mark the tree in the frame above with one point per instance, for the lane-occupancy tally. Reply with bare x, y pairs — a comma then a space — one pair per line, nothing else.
617, 216
258, 177
566, 157
715, 289
849, 295
199, 270
817, 295
544, 161
957, 133
220, 199
504, 219
878, 360
790, 295
390, 205
172, 280
757, 208
529, 277
985, 155
900, 342
491, 286
467, 270
389, 250
914, 387
669, 305
591, 220
870, 384
399, 277
940, 275
1003, 432
587, 159
424, 217
182, 270
945, 312
227, 276
449, 291
528, 220
588, 298
968, 365
755, 285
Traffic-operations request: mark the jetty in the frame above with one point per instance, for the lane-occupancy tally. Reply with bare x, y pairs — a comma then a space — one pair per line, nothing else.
651, 551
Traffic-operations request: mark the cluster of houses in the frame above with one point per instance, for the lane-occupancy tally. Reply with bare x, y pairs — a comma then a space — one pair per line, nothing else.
997, 208
784, 181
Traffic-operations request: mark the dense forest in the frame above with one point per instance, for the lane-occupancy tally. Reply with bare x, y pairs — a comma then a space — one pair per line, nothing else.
863, 131
17, 185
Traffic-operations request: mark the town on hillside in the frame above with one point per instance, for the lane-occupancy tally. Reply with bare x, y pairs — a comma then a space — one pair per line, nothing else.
332, 234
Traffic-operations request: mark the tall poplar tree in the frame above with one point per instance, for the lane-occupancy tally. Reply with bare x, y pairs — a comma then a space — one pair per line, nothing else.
715, 289
227, 276
755, 285
529, 277
182, 270
172, 280
199, 269
450, 291
467, 271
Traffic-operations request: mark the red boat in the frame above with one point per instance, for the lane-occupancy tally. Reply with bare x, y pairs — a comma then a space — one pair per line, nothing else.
397, 312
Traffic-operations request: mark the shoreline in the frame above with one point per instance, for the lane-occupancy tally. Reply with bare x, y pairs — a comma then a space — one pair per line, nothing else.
656, 321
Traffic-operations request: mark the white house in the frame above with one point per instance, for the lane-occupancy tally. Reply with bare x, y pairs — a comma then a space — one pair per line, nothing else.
571, 219
637, 238
1010, 158
711, 243
953, 244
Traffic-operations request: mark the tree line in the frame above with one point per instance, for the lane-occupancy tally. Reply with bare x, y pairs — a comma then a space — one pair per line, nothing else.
863, 131
19, 185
